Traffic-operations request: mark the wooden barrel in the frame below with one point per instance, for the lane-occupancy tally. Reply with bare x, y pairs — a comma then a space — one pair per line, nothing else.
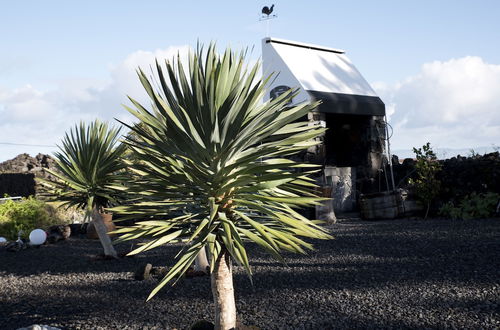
385, 205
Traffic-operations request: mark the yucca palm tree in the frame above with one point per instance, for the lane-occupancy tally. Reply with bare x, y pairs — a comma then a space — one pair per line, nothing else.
89, 163
212, 169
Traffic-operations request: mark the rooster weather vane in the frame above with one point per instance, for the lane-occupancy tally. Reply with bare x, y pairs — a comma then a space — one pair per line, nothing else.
266, 13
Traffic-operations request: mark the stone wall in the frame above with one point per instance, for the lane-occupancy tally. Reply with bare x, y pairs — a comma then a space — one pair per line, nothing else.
464, 175
17, 175
17, 184
460, 176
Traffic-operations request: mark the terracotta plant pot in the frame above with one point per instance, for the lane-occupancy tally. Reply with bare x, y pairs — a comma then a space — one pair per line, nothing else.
324, 191
107, 218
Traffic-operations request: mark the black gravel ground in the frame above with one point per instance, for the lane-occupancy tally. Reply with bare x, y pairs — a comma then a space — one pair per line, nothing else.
386, 274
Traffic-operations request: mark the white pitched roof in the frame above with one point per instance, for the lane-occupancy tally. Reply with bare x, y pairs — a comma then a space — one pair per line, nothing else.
320, 73
320, 69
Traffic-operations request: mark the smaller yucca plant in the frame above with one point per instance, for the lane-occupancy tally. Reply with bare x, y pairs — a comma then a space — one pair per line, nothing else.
89, 163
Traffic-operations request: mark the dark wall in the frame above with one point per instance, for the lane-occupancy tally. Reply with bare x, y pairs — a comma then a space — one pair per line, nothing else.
17, 184
463, 175
460, 176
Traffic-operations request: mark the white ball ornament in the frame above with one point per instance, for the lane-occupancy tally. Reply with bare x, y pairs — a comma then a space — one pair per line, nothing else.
3, 240
38, 237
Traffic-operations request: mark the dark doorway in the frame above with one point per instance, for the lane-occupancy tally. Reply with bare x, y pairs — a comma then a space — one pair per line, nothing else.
347, 142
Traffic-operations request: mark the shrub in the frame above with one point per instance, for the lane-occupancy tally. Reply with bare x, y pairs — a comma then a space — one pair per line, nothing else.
66, 214
474, 206
25, 215
426, 184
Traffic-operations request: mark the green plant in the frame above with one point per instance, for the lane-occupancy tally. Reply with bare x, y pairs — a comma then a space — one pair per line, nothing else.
426, 183
89, 163
473, 153
474, 206
70, 214
211, 165
25, 215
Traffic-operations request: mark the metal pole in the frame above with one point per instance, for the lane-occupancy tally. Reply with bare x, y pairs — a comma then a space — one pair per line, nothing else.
389, 157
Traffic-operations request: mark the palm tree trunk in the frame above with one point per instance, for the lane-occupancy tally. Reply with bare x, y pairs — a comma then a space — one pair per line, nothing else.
427, 210
223, 292
201, 262
102, 232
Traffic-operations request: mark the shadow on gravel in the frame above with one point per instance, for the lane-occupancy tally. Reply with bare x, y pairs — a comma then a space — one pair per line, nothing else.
389, 274
77, 256
488, 304
374, 254
107, 303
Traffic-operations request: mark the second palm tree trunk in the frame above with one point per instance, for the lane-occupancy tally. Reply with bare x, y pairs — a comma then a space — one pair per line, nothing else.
102, 232
201, 262
223, 292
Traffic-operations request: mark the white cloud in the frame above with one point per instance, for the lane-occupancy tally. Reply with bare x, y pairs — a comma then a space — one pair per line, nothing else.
26, 104
453, 104
106, 102
31, 116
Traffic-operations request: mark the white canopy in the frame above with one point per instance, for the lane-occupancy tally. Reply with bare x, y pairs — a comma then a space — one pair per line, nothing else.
320, 73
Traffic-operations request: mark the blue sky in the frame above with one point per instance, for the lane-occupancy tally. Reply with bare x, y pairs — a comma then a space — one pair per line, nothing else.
62, 61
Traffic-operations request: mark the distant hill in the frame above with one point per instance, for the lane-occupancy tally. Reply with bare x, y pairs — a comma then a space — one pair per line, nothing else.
24, 163
446, 153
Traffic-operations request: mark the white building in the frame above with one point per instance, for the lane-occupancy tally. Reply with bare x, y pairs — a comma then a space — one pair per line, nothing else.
353, 148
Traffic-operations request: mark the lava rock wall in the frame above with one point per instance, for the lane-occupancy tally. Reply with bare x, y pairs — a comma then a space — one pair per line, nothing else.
460, 176
17, 184
17, 175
